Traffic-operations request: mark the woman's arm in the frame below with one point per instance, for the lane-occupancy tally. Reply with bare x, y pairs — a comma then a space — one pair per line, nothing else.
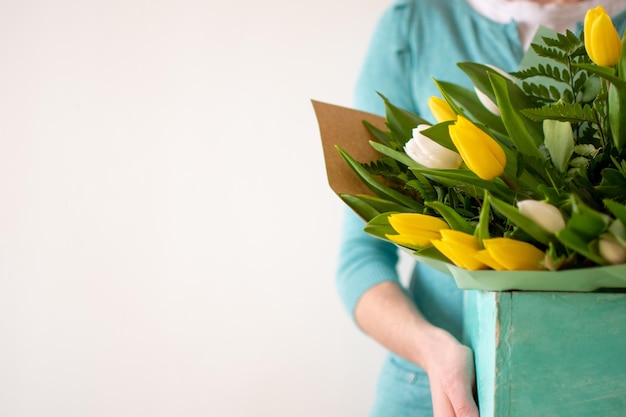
390, 317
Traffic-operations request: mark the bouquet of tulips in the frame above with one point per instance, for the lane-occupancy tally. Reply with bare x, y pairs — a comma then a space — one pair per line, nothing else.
525, 172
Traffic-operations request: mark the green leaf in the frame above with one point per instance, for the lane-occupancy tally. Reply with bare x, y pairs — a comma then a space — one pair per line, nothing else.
519, 129
380, 189
368, 206
451, 216
603, 72
516, 167
379, 227
396, 155
381, 135
482, 230
568, 42
613, 183
618, 210
573, 241
360, 207
422, 185
478, 74
586, 226
621, 63
455, 108
439, 133
513, 214
559, 140
586, 149
401, 122
541, 70
617, 121
538, 172
589, 88
481, 76
564, 112
468, 181
585, 221
551, 53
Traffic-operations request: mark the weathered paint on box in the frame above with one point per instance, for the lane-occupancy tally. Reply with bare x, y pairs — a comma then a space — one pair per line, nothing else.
548, 354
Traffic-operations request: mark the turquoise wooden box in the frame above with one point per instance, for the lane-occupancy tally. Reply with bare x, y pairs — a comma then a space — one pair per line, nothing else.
548, 354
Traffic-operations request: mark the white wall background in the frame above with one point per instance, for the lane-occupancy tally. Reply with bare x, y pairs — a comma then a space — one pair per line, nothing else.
167, 236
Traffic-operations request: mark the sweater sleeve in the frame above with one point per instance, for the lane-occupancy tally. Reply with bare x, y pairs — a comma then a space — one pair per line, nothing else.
365, 261
387, 66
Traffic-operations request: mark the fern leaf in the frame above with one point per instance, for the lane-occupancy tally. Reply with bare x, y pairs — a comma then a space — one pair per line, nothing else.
423, 187
552, 53
568, 42
586, 150
573, 113
541, 71
385, 167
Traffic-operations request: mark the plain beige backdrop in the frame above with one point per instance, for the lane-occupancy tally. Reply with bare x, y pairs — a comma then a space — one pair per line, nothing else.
167, 236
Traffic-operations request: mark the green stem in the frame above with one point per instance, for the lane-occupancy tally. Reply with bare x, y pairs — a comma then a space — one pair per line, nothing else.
571, 77
514, 185
599, 121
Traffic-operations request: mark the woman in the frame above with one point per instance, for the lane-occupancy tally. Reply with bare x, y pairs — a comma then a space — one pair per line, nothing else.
429, 372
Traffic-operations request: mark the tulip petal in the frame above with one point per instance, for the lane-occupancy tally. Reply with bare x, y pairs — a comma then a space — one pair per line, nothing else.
484, 99
514, 255
484, 257
441, 110
482, 154
611, 249
487, 102
414, 241
429, 153
545, 215
416, 223
460, 248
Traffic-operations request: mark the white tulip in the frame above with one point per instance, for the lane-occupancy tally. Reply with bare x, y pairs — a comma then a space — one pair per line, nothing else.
486, 101
429, 153
545, 215
611, 249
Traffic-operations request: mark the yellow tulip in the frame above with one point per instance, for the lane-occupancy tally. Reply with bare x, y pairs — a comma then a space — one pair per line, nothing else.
602, 41
481, 153
441, 110
503, 253
484, 257
415, 230
460, 248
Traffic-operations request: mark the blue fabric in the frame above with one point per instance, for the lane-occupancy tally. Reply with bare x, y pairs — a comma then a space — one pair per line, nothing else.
402, 391
415, 41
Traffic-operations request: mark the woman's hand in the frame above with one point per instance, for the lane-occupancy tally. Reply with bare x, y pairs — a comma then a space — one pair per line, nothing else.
450, 368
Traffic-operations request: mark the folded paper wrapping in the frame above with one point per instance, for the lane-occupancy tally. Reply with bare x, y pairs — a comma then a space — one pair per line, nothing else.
343, 127
574, 280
